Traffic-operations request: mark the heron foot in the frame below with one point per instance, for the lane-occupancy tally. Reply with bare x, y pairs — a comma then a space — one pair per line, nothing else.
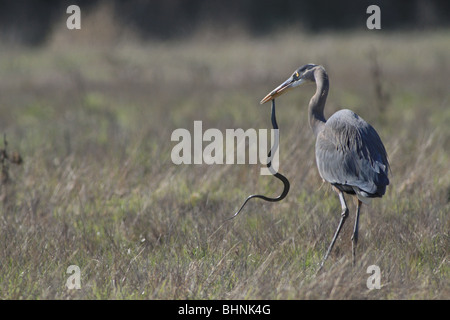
355, 236
344, 216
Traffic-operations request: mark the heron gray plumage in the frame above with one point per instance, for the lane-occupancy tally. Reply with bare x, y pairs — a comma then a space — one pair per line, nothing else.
349, 152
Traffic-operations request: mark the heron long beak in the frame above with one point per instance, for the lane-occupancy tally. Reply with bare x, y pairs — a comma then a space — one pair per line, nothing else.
282, 88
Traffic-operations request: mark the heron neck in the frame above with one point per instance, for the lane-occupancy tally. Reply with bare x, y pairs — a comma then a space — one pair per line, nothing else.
317, 102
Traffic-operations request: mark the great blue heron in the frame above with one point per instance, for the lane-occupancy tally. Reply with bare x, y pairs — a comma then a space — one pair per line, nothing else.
349, 152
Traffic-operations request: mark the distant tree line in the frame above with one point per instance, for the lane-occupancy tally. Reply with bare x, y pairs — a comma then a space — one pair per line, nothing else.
30, 22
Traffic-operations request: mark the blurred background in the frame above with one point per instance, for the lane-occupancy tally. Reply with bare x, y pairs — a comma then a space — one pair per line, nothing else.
91, 112
32, 23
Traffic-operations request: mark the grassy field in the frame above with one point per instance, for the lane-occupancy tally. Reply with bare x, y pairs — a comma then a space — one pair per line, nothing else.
97, 187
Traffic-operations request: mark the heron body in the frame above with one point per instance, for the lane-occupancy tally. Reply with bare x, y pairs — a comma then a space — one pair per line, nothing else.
351, 156
349, 152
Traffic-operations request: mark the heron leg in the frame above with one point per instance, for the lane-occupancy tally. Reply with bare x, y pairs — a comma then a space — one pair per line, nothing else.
355, 230
344, 216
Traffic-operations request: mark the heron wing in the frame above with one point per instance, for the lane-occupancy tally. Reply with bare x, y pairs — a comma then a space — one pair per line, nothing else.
350, 154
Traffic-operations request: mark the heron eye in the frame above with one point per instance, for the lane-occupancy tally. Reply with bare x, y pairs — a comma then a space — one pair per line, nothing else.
296, 76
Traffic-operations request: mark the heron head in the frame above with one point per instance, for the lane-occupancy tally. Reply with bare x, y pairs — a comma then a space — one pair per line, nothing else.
301, 75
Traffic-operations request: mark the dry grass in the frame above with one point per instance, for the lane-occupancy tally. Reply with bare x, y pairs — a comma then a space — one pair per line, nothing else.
98, 189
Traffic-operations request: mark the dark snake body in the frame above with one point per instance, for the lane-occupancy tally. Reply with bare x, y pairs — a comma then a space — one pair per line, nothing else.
276, 174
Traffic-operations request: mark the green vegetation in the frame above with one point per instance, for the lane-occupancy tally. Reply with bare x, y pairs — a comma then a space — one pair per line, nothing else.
97, 187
